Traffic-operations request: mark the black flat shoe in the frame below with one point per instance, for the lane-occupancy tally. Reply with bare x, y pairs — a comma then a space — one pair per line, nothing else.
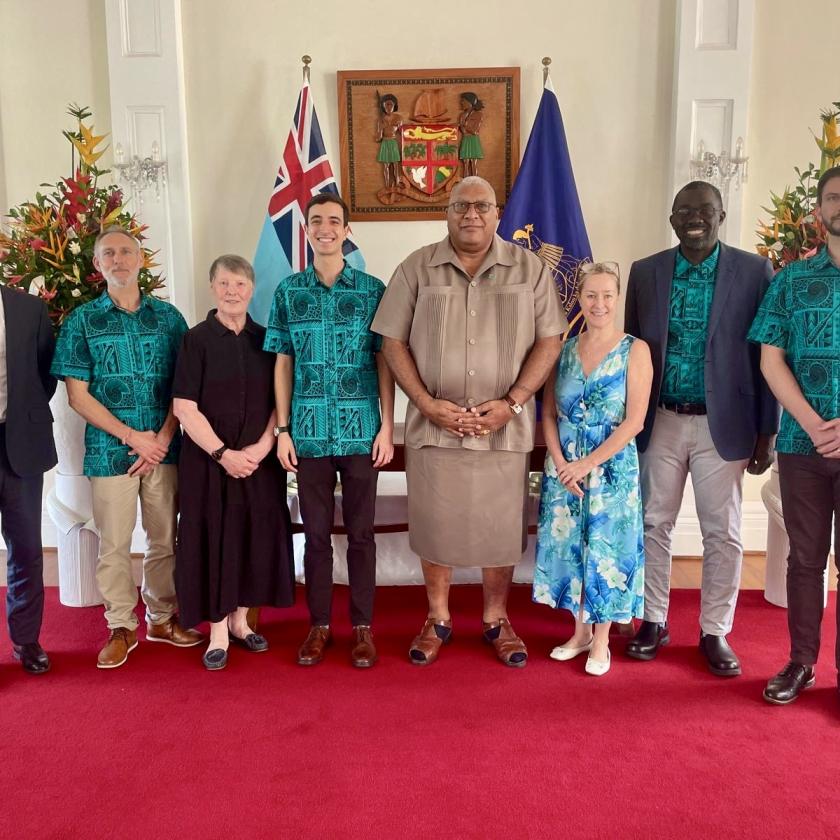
721, 659
789, 683
253, 642
32, 657
215, 659
646, 643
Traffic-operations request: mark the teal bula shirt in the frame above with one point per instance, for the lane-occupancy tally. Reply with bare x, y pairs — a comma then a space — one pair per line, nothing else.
128, 359
801, 314
335, 397
692, 290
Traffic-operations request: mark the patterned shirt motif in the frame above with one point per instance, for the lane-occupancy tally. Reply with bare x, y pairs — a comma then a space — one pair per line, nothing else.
335, 399
801, 314
128, 359
692, 290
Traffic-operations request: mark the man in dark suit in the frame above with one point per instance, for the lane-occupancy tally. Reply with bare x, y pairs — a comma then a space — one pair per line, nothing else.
711, 413
27, 451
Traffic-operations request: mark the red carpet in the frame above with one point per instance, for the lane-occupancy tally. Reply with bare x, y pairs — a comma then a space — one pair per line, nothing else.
464, 749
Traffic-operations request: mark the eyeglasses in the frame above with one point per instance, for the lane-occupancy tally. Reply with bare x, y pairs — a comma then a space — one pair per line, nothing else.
461, 207
705, 211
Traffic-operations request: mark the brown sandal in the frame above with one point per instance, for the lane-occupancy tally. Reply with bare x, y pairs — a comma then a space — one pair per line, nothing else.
425, 647
509, 647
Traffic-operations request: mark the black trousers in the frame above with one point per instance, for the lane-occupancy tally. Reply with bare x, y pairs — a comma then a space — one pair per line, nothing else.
316, 490
810, 486
20, 509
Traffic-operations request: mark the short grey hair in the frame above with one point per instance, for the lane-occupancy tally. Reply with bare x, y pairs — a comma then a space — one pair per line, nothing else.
233, 263
107, 231
474, 181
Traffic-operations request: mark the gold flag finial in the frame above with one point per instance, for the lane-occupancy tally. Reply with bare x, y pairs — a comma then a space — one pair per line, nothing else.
546, 62
307, 60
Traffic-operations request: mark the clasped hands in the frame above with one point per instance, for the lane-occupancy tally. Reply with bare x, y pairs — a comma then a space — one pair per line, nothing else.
572, 473
150, 449
476, 421
826, 438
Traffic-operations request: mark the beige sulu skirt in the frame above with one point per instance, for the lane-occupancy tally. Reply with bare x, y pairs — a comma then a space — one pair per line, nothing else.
467, 508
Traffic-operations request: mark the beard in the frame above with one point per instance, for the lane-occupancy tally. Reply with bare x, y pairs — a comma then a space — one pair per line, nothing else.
832, 225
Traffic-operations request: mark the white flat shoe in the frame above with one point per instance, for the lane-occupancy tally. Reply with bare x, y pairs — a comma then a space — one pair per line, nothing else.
564, 652
597, 669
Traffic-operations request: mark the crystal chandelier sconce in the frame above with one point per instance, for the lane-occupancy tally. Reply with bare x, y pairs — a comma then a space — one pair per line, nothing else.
720, 169
139, 174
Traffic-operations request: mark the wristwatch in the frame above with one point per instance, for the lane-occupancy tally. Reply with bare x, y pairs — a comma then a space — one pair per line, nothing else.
515, 407
279, 430
216, 454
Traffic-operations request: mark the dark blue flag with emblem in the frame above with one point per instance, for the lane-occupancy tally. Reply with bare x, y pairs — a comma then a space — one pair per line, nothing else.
543, 212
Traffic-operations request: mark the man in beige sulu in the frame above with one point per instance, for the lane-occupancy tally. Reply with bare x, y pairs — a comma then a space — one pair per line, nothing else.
471, 328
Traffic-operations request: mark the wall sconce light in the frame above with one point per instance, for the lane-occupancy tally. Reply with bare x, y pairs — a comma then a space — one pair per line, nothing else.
138, 174
720, 169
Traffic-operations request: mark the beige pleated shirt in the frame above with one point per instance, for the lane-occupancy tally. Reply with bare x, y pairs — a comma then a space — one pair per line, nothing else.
469, 336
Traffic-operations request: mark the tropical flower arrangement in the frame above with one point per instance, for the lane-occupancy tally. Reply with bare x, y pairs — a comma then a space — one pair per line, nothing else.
46, 245
793, 232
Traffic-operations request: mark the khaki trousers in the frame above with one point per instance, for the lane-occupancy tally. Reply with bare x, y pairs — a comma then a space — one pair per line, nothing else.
115, 515
682, 444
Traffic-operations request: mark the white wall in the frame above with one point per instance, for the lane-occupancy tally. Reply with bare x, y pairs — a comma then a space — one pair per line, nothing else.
51, 54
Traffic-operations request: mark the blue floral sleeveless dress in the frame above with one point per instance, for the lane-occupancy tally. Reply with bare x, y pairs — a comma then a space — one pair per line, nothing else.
592, 548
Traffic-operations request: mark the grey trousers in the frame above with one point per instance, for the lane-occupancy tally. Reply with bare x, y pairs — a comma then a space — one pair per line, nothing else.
679, 445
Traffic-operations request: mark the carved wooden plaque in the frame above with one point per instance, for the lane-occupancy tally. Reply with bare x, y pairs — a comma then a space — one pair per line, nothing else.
408, 136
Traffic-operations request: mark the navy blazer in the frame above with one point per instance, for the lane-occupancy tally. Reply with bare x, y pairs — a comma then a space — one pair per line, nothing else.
30, 343
739, 403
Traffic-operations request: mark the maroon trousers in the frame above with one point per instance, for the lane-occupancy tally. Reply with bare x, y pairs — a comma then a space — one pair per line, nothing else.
810, 486
316, 491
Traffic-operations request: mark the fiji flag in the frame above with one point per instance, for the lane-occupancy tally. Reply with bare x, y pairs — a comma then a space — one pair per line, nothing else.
543, 212
304, 171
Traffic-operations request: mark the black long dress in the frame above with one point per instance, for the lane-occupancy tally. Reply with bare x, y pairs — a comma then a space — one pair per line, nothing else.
234, 545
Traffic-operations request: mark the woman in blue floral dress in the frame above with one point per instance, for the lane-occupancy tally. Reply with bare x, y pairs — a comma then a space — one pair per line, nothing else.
590, 541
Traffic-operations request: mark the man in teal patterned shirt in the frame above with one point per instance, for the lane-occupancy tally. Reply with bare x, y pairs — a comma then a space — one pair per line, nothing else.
117, 355
330, 380
798, 327
710, 414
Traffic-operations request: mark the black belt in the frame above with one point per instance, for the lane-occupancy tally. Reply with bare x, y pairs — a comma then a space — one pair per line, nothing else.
684, 408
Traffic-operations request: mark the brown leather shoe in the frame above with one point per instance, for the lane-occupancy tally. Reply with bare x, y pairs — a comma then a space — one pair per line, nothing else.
363, 654
311, 652
173, 634
425, 648
510, 648
120, 643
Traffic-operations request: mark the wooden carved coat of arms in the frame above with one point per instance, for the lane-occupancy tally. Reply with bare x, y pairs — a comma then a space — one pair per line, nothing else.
407, 137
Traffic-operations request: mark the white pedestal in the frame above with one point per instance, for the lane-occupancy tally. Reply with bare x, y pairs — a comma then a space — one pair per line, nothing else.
70, 507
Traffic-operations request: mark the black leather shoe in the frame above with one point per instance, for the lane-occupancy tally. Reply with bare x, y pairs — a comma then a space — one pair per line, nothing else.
32, 657
720, 657
253, 642
785, 687
215, 659
646, 643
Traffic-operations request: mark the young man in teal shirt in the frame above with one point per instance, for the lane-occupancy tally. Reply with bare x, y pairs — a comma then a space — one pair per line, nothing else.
798, 327
330, 382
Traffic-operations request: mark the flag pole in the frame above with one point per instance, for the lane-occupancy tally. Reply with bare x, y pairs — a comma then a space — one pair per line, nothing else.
546, 72
307, 60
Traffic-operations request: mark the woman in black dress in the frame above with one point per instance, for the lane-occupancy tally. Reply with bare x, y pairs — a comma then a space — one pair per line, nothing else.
234, 546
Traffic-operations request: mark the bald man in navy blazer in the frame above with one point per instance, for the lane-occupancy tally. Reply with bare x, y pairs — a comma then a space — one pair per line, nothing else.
711, 413
27, 451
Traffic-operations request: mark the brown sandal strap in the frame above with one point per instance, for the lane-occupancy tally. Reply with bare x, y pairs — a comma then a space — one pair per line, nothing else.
509, 647
426, 646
